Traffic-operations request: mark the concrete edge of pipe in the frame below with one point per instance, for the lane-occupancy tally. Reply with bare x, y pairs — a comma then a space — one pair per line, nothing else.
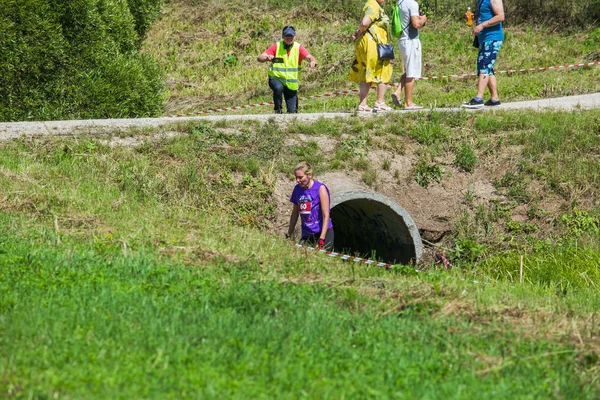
394, 220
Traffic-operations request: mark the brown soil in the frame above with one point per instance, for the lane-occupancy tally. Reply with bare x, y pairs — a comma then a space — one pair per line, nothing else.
434, 209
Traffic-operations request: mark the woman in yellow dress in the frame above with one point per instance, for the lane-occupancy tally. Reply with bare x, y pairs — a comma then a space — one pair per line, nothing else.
367, 68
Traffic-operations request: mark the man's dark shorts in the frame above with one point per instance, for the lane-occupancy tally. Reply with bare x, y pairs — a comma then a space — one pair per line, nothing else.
488, 51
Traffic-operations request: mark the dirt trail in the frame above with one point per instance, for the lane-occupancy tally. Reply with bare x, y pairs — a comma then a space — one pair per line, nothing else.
11, 130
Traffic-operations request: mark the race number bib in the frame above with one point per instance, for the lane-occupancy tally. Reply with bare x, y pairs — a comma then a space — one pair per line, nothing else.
305, 205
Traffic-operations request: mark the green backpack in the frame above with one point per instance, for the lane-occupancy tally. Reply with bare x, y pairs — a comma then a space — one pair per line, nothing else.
396, 22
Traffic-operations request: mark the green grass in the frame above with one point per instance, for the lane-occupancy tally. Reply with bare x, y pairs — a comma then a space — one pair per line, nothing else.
153, 271
80, 319
230, 167
578, 267
466, 158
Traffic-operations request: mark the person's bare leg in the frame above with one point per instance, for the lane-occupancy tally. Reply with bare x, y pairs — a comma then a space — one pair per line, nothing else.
397, 95
381, 89
482, 84
493, 87
364, 92
408, 91
401, 84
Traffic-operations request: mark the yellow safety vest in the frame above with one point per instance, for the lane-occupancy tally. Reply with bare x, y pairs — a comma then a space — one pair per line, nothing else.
287, 71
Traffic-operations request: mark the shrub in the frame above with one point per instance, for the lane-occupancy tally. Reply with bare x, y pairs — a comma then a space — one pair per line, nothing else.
144, 13
32, 55
74, 59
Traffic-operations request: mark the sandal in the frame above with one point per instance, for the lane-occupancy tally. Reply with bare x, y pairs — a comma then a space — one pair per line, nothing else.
396, 100
364, 109
382, 107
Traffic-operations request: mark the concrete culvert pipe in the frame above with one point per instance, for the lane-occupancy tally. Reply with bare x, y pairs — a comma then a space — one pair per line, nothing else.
369, 224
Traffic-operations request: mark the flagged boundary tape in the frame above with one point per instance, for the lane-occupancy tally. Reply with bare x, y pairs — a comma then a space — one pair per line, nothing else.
350, 91
366, 261
346, 257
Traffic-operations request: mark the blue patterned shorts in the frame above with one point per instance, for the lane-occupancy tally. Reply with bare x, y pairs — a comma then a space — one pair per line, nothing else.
487, 57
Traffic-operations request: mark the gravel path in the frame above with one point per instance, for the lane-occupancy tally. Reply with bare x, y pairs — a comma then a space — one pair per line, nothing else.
11, 130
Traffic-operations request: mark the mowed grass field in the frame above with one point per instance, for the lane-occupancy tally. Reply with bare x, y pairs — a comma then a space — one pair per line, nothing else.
151, 271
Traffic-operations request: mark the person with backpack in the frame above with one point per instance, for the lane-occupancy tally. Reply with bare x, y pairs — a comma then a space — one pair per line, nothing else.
409, 45
285, 57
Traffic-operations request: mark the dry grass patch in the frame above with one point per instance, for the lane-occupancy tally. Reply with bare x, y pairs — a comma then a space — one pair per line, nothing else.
580, 330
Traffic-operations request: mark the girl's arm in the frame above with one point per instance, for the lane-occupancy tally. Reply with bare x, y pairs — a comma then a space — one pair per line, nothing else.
293, 220
324, 198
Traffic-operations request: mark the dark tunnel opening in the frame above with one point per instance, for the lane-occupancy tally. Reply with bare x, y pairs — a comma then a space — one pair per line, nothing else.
371, 225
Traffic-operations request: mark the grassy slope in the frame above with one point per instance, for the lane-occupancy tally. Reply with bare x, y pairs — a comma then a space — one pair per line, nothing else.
121, 277
83, 320
192, 42
150, 272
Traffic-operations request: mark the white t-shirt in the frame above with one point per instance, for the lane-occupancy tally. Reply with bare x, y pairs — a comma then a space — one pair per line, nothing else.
408, 8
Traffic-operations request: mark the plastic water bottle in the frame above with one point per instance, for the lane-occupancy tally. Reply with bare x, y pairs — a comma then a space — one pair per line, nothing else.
469, 16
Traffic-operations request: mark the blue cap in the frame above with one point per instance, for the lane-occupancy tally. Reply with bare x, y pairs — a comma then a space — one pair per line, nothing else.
288, 31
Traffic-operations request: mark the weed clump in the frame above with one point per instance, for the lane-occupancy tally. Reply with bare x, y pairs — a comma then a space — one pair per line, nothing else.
425, 172
466, 159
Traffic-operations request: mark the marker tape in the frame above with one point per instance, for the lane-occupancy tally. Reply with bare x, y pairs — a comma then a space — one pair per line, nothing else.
366, 261
351, 91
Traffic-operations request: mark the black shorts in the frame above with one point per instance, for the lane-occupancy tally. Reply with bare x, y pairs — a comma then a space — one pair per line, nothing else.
313, 240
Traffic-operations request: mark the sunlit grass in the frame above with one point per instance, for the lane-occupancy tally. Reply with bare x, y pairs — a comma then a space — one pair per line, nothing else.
82, 317
154, 270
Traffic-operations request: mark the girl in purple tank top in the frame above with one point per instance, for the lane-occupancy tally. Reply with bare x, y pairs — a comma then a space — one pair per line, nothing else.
311, 202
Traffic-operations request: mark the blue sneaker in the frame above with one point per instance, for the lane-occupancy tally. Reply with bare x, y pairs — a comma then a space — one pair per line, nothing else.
474, 103
492, 103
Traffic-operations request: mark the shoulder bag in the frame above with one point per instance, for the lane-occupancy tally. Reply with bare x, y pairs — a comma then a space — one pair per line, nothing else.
385, 52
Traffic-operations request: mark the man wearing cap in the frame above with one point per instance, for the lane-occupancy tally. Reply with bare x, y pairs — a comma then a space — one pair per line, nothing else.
286, 57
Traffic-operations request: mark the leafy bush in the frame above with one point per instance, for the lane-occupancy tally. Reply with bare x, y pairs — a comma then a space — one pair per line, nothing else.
144, 12
74, 59
121, 86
